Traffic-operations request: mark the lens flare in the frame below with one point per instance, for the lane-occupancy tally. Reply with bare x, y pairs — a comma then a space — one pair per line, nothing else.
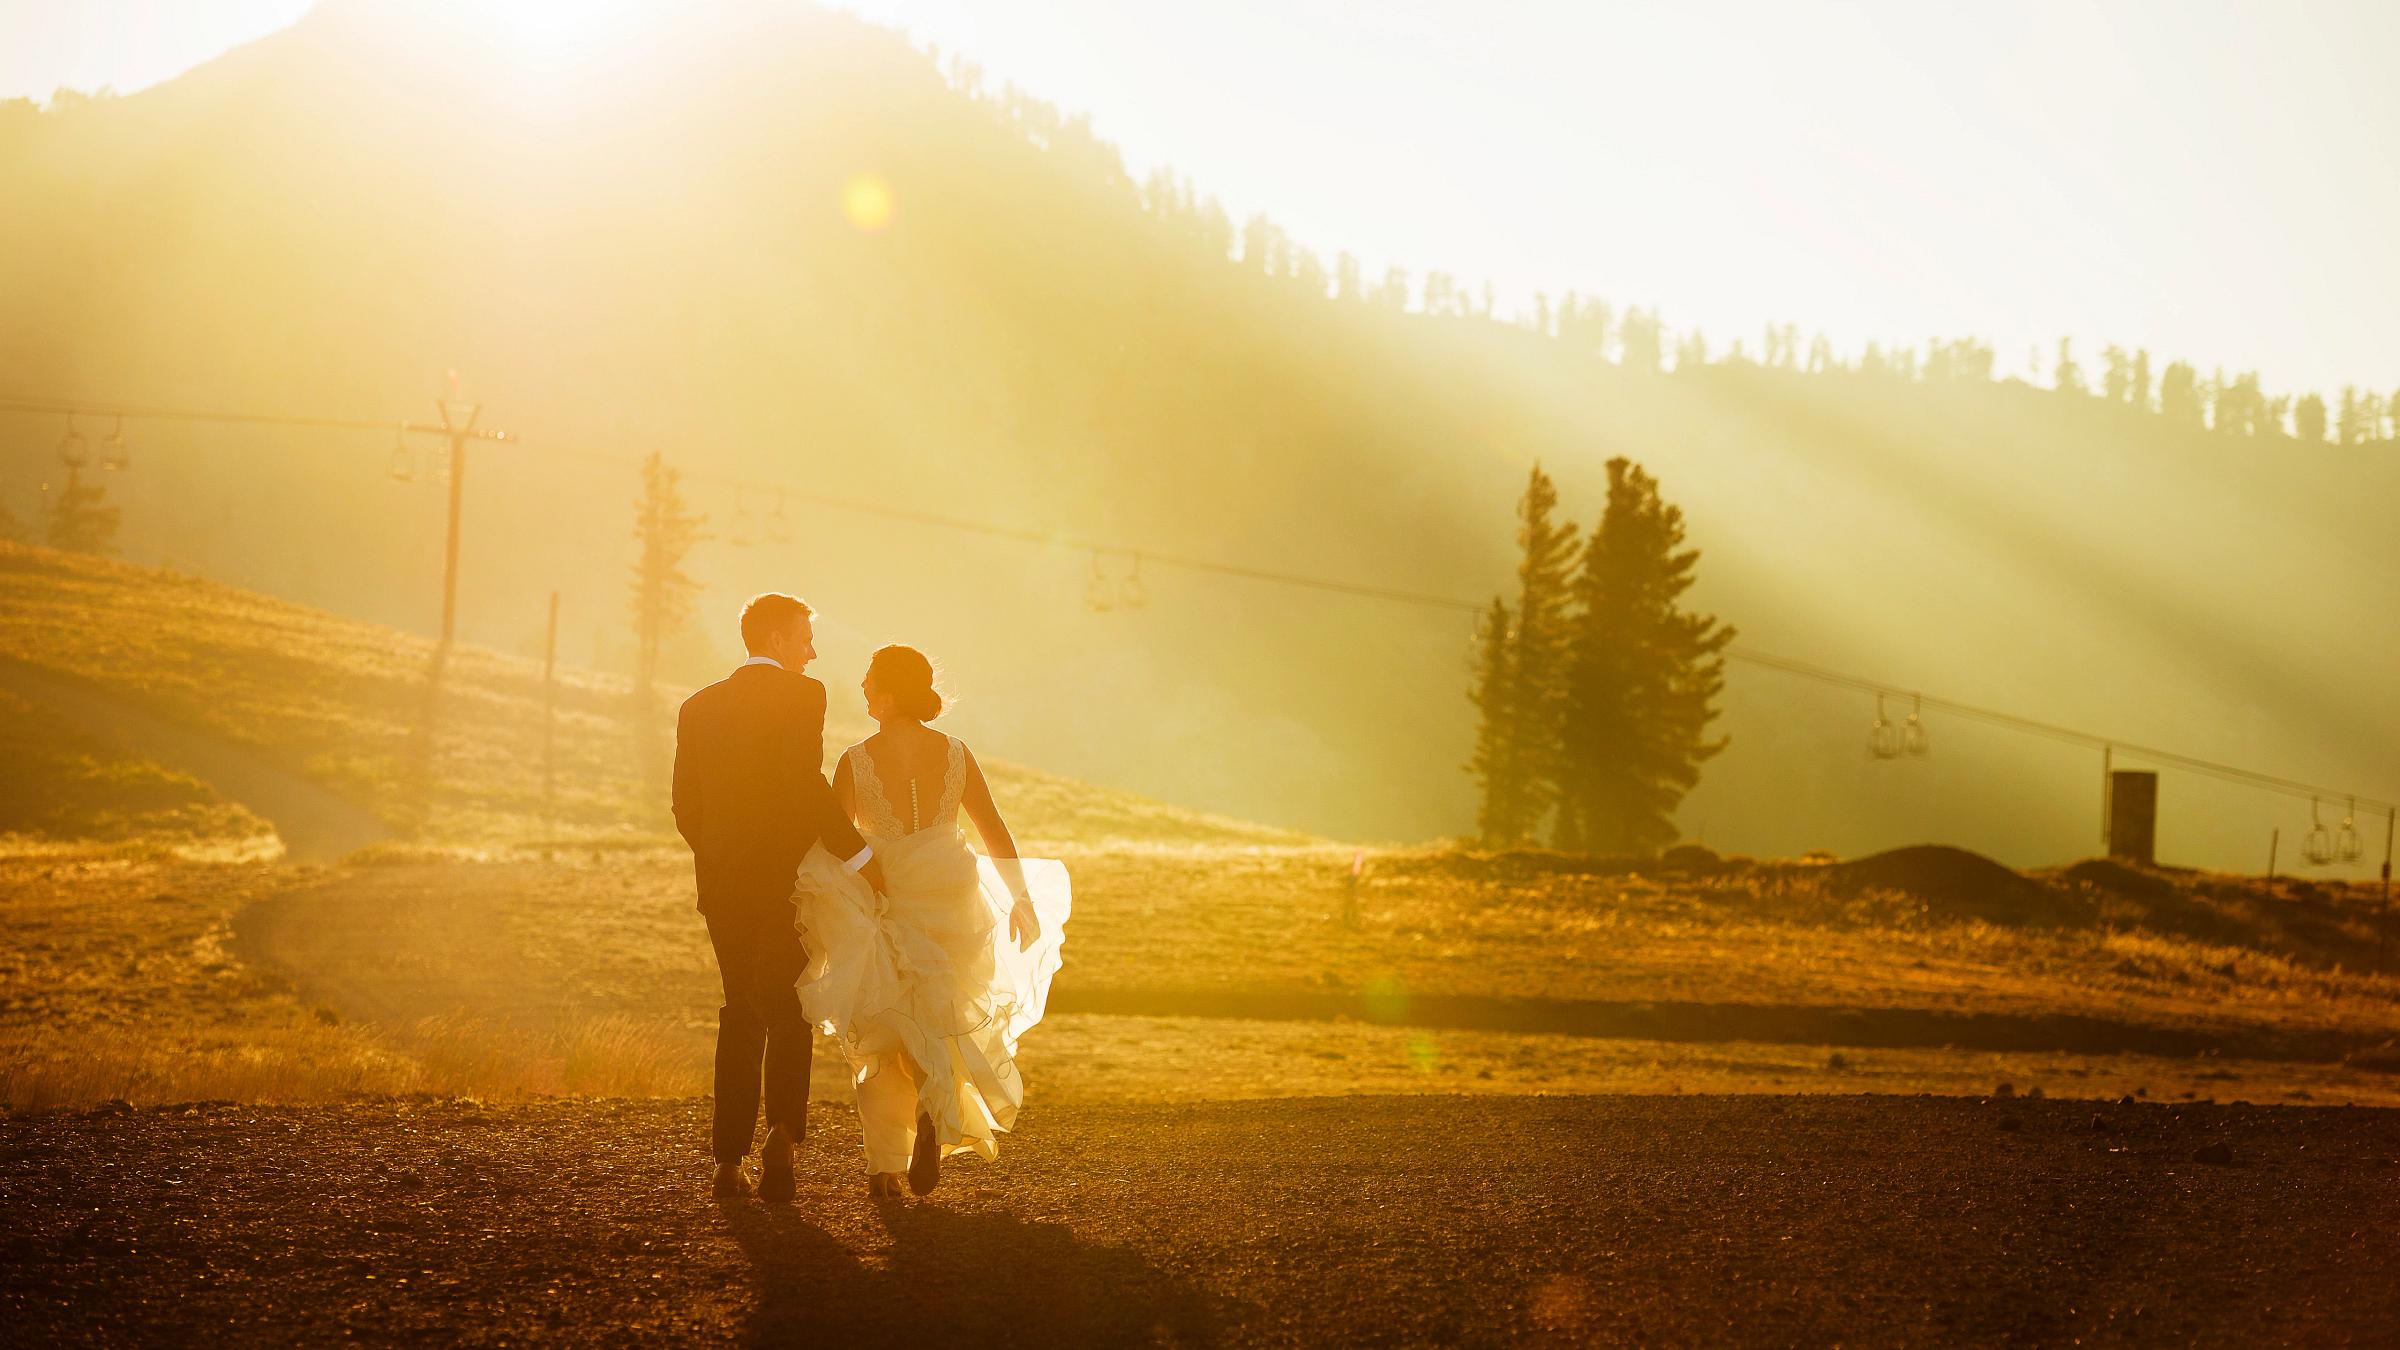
867, 202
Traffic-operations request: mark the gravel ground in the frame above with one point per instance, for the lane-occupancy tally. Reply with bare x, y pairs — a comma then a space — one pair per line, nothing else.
1376, 1220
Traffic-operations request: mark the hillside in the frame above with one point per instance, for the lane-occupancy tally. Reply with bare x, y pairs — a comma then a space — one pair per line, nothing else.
447, 756
654, 257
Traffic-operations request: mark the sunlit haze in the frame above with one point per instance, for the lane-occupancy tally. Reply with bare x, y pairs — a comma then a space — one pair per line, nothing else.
954, 673
2212, 181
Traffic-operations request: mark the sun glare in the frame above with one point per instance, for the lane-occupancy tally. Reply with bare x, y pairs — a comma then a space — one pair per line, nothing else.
547, 40
867, 202
559, 24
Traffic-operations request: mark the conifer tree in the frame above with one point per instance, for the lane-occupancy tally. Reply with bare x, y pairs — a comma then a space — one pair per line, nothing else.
2308, 419
1499, 817
81, 520
666, 529
1641, 342
2179, 394
2067, 377
2116, 380
1643, 676
1538, 648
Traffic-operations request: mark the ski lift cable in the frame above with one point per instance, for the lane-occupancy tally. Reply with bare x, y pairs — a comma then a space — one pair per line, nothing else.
1061, 540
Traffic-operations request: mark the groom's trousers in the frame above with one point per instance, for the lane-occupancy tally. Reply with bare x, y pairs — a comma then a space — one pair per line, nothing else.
762, 1035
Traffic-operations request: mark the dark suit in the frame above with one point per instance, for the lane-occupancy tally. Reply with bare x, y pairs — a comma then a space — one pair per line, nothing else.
751, 799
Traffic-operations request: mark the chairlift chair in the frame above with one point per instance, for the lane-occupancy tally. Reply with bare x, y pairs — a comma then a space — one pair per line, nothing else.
1097, 594
779, 524
2317, 848
72, 450
1134, 595
113, 455
2346, 847
1883, 739
1912, 732
403, 465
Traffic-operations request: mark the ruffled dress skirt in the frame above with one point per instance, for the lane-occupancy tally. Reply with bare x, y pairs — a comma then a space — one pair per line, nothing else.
930, 972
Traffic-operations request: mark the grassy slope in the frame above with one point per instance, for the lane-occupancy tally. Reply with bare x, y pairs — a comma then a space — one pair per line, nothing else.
451, 761
64, 784
1167, 901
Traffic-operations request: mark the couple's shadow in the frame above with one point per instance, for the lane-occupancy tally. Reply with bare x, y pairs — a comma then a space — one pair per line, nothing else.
994, 1278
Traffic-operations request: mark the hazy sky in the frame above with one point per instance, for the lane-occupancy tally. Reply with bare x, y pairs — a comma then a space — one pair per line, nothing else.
2210, 180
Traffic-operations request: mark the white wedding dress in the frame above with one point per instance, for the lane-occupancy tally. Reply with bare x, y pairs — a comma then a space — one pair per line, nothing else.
928, 970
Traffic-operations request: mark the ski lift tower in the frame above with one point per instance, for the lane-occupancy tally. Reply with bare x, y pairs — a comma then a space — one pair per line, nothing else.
2133, 815
458, 425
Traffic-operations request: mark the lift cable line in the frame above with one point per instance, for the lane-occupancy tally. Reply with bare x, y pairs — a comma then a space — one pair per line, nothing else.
2108, 745
457, 426
64, 408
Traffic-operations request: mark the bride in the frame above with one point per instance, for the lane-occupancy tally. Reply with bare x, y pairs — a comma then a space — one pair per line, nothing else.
927, 987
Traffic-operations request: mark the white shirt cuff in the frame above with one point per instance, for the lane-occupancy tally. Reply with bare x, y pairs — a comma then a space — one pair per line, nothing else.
865, 856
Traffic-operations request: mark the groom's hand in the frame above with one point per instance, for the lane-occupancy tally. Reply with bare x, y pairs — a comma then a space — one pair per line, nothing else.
872, 874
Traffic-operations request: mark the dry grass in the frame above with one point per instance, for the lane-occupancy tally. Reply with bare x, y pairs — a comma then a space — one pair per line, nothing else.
63, 785
616, 929
613, 1056
591, 975
120, 983
1430, 923
611, 934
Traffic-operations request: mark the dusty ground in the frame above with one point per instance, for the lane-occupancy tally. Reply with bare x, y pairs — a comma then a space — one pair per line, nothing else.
144, 977
1754, 1220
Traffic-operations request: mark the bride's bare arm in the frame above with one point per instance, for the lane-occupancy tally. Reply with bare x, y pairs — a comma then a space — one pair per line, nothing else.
1023, 925
980, 808
845, 791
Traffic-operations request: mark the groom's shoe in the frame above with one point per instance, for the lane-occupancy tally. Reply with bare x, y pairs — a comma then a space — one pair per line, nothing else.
925, 1165
730, 1183
775, 1173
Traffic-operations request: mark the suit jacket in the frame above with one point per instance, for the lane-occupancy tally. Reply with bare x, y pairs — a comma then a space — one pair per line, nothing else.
750, 789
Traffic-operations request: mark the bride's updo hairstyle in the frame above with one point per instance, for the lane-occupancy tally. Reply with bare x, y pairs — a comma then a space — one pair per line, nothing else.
905, 678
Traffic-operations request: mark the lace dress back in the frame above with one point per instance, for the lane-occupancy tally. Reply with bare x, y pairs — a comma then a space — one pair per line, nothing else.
879, 817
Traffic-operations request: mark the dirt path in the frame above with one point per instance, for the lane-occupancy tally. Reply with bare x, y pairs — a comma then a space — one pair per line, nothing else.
1745, 1220
527, 943
1673, 1020
315, 824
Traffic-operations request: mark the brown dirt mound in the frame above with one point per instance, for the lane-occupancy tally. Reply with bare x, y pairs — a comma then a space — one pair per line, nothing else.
2112, 875
1955, 883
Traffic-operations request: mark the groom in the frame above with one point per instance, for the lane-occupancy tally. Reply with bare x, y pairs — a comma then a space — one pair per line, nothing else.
751, 798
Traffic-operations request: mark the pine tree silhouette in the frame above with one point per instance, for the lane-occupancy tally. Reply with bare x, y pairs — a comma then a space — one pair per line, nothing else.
2067, 377
1499, 817
2308, 419
2179, 395
1538, 648
1643, 676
